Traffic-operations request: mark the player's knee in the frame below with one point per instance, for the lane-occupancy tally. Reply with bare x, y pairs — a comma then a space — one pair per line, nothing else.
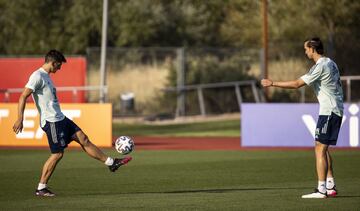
320, 151
57, 156
85, 140
82, 139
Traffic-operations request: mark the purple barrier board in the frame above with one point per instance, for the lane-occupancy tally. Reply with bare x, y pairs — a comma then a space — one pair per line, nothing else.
292, 125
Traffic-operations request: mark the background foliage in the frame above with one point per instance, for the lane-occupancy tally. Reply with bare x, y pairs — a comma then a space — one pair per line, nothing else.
32, 27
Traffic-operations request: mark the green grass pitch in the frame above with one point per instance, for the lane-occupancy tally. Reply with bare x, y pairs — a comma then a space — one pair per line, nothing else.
226, 128
178, 180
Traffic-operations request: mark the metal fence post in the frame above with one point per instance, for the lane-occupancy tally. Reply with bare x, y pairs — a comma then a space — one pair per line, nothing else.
180, 107
74, 92
201, 101
7, 97
103, 51
238, 96
302, 95
348, 90
256, 94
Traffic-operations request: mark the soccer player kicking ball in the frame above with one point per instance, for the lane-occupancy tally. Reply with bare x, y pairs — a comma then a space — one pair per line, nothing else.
324, 78
60, 130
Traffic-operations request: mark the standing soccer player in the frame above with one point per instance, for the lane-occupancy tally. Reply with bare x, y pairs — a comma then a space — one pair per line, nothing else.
324, 78
59, 129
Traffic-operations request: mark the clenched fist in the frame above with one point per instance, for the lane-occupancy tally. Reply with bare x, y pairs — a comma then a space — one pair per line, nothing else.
266, 82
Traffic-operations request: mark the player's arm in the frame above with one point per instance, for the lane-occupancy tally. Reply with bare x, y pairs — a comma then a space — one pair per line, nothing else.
295, 84
18, 125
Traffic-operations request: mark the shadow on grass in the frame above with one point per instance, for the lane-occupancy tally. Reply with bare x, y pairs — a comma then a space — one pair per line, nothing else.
346, 197
231, 190
201, 191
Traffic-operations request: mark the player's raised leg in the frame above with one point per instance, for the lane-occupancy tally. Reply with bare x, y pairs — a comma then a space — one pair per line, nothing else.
93, 151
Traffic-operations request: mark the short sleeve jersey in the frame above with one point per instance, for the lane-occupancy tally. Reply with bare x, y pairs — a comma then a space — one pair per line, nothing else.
324, 78
44, 95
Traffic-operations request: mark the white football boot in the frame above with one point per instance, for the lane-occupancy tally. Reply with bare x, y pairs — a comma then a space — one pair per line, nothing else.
316, 195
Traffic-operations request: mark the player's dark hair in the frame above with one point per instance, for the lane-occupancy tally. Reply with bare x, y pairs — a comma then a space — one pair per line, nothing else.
54, 56
316, 44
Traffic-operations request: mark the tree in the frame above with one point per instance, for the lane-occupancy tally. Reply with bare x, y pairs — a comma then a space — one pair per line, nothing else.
82, 23
166, 23
335, 21
29, 27
242, 24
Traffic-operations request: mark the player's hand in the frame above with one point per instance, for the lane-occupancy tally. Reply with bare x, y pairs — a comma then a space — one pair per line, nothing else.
266, 82
18, 126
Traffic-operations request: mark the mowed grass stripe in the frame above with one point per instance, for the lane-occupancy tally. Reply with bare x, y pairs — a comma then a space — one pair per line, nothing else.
178, 180
228, 128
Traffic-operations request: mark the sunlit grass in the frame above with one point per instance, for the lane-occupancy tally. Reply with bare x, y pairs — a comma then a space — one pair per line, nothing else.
229, 128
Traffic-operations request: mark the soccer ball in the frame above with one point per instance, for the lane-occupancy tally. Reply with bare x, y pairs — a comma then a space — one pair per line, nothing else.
124, 145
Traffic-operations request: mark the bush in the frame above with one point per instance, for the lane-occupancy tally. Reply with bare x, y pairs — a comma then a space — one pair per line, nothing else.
204, 66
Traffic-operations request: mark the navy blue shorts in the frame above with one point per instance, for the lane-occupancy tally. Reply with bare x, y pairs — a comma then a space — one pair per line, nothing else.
60, 134
327, 129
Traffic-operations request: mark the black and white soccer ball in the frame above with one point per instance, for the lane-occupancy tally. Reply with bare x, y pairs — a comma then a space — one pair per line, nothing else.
124, 145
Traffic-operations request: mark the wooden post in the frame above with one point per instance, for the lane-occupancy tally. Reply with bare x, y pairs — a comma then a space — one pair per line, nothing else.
264, 11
